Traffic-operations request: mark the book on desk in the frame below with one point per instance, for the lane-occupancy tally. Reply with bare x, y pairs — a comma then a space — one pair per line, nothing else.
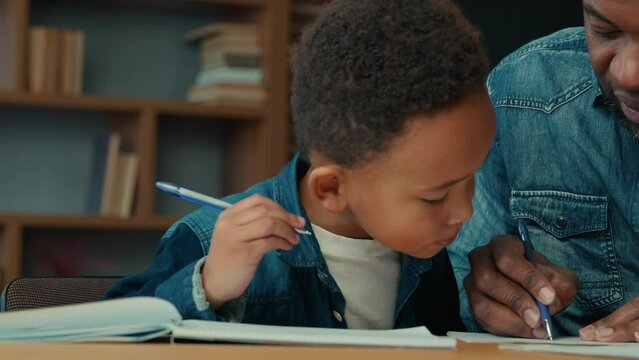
144, 318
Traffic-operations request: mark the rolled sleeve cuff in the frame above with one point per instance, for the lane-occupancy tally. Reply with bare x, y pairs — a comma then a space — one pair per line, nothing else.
180, 290
232, 311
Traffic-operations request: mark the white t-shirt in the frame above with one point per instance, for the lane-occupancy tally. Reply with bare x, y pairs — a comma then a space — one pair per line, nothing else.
367, 273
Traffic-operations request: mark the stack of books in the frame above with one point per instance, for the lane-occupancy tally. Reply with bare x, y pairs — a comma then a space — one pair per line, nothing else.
113, 178
56, 60
230, 65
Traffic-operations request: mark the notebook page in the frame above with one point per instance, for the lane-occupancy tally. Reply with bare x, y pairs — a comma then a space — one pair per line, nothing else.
418, 337
101, 318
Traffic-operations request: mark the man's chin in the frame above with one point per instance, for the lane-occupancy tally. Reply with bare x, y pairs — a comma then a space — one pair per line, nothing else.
632, 128
615, 107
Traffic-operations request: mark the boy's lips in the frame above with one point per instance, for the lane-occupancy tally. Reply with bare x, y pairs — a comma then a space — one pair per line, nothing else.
447, 241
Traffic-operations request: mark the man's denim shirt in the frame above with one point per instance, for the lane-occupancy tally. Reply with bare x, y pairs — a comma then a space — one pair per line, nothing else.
563, 161
289, 287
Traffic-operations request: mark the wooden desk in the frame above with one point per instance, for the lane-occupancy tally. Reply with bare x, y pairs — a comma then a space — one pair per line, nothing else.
224, 352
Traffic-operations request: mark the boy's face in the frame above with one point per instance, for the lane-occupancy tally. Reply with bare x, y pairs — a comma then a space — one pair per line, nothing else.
415, 197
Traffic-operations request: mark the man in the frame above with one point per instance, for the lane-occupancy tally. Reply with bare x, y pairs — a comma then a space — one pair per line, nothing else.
566, 159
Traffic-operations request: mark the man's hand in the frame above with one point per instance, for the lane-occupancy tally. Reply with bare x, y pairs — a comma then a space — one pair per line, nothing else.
621, 325
243, 234
502, 283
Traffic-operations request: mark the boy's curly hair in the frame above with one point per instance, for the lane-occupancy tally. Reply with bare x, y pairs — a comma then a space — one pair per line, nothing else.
365, 66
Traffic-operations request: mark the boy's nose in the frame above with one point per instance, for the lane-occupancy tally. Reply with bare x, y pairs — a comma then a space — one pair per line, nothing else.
462, 209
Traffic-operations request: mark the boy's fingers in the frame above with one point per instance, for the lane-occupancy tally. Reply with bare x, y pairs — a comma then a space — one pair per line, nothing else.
262, 211
509, 258
257, 206
264, 245
249, 202
267, 227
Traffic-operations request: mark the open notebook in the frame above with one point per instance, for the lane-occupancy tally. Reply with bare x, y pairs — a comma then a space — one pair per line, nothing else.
144, 318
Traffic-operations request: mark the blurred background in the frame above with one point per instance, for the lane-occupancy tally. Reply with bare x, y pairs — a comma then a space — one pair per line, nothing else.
99, 99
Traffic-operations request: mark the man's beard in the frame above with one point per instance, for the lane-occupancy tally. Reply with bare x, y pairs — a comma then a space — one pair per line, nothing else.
613, 106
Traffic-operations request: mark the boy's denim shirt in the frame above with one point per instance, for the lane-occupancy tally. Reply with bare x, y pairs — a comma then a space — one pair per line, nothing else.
563, 161
289, 287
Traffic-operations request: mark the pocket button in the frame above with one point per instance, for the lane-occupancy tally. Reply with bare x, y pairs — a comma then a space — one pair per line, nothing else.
561, 222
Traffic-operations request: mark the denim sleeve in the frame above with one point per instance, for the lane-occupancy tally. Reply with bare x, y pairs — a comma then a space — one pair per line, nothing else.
175, 275
491, 217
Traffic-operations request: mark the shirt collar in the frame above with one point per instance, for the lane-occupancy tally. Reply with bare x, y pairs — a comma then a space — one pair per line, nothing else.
597, 95
286, 193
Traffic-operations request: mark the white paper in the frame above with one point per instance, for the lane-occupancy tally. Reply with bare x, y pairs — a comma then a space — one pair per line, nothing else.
562, 341
417, 337
628, 350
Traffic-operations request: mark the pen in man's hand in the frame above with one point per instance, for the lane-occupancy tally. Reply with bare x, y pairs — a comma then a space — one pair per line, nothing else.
528, 253
203, 200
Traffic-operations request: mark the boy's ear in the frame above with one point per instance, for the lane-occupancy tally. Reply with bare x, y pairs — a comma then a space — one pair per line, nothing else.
327, 186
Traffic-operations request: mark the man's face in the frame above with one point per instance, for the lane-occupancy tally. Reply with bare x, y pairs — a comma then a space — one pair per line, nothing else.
612, 32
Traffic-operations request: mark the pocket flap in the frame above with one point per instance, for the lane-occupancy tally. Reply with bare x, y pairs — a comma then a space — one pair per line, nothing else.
562, 214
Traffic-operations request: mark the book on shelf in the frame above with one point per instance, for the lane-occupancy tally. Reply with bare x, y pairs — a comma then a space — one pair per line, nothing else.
222, 29
114, 177
232, 59
230, 75
126, 175
230, 65
227, 93
72, 62
56, 60
144, 318
37, 59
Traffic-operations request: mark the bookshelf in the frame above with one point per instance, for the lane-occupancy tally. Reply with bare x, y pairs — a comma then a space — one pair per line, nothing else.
137, 70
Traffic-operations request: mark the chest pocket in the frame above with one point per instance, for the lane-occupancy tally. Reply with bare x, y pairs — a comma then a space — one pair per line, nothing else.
572, 230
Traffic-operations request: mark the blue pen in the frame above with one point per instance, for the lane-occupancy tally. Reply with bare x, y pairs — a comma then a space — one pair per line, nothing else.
203, 200
528, 253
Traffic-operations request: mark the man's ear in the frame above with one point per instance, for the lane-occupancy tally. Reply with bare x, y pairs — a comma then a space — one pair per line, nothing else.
327, 186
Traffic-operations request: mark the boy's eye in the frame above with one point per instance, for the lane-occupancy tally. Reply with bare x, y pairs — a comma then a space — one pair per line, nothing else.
435, 201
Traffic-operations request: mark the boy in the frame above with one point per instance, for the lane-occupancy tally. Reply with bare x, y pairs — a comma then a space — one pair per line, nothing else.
392, 120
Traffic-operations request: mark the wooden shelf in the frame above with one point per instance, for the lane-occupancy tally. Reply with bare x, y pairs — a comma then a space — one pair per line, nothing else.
127, 105
240, 145
86, 222
243, 3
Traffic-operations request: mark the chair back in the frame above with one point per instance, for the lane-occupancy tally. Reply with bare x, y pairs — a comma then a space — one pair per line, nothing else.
37, 292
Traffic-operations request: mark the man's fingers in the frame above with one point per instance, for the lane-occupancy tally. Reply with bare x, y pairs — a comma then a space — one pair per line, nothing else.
494, 316
493, 283
622, 333
509, 259
565, 283
621, 325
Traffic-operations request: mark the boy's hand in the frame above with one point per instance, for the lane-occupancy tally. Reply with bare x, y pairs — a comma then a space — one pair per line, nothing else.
621, 325
500, 284
243, 234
